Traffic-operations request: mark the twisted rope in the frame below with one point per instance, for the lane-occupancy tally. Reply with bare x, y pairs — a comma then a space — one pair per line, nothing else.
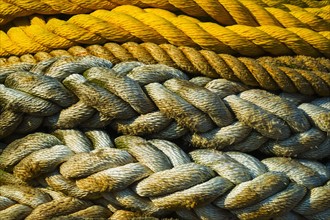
321, 12
159, 101
224, 12
130, 23
156, 177
300, 3
289, 74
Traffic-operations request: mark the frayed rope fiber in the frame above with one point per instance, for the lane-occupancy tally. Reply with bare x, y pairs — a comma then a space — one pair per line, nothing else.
154, 178
158, 101
130, 23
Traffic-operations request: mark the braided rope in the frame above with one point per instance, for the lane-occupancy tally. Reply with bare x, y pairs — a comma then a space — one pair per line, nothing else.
225, 12
156, 177
130, 23
24, 202
268, 73
159, 101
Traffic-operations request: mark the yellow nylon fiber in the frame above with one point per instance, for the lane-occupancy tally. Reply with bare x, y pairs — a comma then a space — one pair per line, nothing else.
47, 38
325, 34
225, 12
300, 3
240, 14
261, 38
323, 12
217, 11
130, 23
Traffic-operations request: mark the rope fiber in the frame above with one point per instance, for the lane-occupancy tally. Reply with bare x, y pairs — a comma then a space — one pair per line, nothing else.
158, 101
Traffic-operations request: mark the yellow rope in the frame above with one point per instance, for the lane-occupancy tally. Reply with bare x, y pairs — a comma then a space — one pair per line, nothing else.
321, 12
225, 12
300, 3
130, 23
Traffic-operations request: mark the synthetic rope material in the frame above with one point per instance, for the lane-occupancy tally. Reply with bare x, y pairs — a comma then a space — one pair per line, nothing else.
159, 101
130, 23
289, 74
157, 178
225, 12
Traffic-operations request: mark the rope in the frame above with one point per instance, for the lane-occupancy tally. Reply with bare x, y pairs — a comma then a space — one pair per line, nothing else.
158, 101
268, 73
224, 12
320, 12
24, 202
130, 23
156, 177
300, 3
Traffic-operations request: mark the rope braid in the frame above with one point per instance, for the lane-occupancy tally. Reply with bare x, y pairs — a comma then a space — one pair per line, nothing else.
156, 178
130, 23
23, 202
158, 101
282, 73
224, 12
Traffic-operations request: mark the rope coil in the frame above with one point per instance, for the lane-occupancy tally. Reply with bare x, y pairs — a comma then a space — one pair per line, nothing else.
130, 23
156, 177
159, 102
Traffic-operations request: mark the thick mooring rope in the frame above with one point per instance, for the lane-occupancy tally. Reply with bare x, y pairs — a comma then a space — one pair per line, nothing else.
159, 101
156, 177
23, 202
130, 23
289, 74
225, 12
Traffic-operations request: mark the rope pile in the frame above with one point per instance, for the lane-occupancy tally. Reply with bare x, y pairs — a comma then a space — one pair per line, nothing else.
203, 184
158, 101
166, 109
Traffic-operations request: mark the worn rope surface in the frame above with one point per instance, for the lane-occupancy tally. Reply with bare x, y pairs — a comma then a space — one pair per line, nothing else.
225, 12
156, 177
159, 101
289, 74
130, 23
